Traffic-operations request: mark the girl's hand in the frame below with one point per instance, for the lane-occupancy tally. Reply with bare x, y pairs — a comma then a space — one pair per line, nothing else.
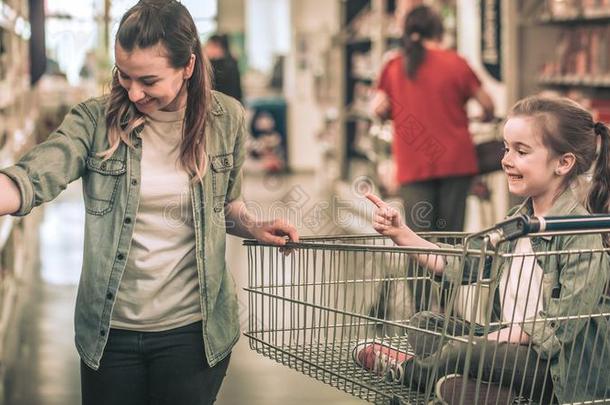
275, 232
511, 334
386, 220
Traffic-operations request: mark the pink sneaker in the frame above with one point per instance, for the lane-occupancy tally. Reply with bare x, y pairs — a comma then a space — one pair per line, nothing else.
381, 358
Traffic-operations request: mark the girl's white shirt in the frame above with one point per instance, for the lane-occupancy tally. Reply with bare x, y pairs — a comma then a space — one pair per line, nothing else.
521, 286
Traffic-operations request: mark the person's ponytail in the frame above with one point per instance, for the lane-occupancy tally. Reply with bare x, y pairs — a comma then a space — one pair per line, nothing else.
415, 52
598, 201
422, 23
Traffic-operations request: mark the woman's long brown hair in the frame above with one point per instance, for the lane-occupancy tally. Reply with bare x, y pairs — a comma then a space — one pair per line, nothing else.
169, 23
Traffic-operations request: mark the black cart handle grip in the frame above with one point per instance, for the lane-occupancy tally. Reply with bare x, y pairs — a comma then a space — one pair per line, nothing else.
521, 225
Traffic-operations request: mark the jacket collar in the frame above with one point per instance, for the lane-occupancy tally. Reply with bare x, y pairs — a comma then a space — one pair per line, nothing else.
563, 205
217, 108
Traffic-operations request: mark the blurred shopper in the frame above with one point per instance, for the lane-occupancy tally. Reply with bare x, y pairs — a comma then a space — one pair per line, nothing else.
224, 65
424, 90
160, 158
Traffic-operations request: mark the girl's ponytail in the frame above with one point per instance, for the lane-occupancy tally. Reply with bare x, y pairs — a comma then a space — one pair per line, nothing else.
598, 201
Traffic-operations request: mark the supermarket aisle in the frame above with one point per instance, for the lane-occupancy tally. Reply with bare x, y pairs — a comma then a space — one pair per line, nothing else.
48, 373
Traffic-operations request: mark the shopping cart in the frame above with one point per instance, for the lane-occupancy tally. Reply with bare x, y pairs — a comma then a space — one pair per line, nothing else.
311, 310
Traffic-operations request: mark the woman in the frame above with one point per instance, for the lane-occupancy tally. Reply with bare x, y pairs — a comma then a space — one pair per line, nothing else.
160, 158
424, 90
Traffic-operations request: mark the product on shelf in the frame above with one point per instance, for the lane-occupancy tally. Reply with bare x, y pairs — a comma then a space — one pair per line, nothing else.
563, 9
582, 55
363, 66
362, 25
573, 9
362, 96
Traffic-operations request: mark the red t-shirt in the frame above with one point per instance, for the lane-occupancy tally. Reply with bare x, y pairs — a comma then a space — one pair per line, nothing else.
431, 138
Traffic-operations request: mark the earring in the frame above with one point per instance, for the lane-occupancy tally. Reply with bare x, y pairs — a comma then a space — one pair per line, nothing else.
557, 172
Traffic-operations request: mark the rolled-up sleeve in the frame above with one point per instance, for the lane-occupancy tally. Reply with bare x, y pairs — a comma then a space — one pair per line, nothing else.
464, 269
47, 169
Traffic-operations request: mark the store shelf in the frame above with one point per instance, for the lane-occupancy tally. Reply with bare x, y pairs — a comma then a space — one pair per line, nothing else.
575, 20
575, 81
363, 77
358, 113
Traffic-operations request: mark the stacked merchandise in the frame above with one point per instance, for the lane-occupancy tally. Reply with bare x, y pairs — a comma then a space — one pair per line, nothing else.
572, 9
582, 54
581, 62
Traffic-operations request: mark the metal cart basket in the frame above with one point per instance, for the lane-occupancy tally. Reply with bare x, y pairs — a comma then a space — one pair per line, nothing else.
315, 309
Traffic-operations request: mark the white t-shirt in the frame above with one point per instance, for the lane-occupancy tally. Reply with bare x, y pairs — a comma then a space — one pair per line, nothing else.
160, 288
521, 285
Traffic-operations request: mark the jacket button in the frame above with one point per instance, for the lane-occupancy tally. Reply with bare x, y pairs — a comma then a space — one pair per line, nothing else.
226, 162
128, 220
134, 182
553, 324
109, 296
217, 208
102, 332
120, 256
103, 166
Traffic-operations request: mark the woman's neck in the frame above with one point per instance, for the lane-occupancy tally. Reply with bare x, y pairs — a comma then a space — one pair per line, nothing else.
180, 101
432, 44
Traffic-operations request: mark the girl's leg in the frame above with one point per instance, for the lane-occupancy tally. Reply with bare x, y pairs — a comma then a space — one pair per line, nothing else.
425, 339
516, 366
121, 377
178, 369
437, 356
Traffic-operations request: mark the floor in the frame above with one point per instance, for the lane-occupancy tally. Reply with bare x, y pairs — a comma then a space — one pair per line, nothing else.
48, 370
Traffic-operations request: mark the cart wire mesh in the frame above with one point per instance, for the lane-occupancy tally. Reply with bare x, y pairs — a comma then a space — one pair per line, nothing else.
319, 309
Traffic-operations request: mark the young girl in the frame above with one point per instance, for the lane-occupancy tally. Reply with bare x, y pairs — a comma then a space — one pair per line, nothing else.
161, 159
549, 142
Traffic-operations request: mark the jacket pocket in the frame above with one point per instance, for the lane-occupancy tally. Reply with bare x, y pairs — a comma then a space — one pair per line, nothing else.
101, 183
221, 170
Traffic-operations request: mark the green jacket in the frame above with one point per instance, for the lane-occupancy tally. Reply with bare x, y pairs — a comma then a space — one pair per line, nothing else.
111, 193
572, 285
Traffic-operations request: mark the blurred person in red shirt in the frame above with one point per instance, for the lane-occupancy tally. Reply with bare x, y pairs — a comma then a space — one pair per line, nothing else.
424, 90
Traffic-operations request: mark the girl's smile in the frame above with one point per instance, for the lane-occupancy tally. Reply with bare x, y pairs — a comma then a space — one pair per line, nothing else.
529, 165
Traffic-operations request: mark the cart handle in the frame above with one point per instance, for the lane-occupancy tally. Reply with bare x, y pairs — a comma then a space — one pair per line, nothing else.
521, 225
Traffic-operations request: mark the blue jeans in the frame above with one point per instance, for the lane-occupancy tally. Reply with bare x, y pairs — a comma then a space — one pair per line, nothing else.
141, 368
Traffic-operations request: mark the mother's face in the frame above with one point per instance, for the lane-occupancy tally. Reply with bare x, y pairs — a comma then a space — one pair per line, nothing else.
150, 80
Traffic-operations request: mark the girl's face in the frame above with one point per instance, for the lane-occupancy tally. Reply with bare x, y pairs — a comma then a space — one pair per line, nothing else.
530, 167
151, 82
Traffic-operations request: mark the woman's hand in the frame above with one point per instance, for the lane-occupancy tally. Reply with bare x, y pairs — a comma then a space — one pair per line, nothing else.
386, 220
380, 105
274, 232
10, 198
511, 334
